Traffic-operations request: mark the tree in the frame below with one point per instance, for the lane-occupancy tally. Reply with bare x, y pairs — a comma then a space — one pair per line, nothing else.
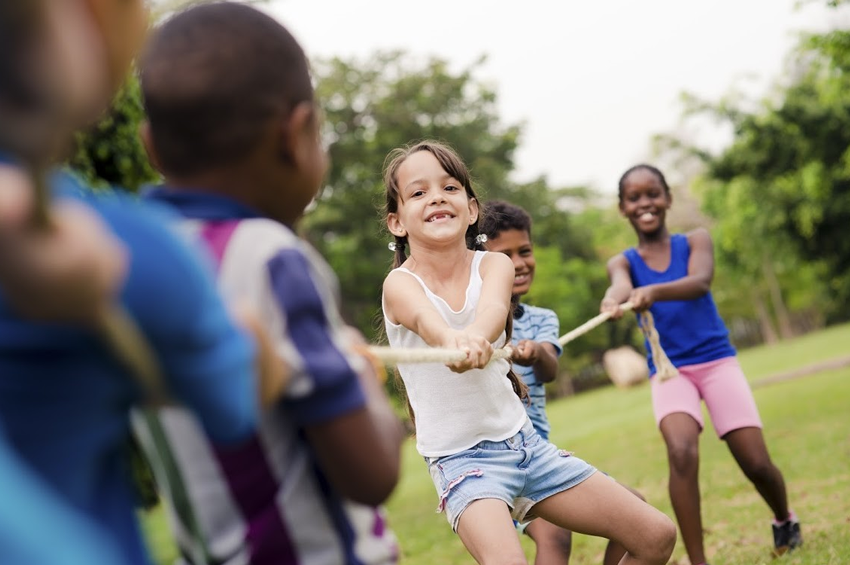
111, 152
780, 193
371, 107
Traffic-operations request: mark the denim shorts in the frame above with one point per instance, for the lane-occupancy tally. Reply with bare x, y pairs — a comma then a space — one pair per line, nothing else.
521, 471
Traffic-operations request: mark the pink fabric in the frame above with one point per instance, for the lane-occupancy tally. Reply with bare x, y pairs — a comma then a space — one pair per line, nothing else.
723, 387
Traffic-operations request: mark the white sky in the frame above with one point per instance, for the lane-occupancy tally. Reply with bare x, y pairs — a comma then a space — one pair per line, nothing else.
591, 80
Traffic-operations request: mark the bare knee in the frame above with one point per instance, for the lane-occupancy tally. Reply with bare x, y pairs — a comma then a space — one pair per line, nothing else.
659, 539
563, 542
683, 457
555, 542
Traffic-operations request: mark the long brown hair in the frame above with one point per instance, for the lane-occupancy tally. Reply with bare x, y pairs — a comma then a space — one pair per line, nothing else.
454, 166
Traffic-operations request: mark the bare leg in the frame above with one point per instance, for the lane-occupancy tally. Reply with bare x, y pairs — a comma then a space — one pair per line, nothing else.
614, 551
601, 507
487, 531
553, 543
681, 435
749, 450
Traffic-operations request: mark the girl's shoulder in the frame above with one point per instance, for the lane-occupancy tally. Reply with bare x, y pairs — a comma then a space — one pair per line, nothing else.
494, 259
699, 237
620, 259
495, 265
400, 277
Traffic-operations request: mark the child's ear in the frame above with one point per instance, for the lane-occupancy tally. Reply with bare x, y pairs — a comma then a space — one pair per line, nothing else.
147, 142
394, 225
299, 135
473, 211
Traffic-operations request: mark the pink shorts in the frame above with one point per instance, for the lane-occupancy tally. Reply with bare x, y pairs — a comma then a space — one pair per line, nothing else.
720, 383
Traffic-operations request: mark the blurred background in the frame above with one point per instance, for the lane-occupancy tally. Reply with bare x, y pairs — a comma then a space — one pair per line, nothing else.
744, 105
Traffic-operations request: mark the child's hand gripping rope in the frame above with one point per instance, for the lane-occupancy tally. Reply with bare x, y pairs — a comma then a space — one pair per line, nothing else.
114, 323
665, 369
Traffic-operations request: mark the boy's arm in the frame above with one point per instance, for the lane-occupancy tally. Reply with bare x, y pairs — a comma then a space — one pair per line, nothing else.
695, 284
273, 373
621, 286
359, 452
345, 415
542, 350
541, 356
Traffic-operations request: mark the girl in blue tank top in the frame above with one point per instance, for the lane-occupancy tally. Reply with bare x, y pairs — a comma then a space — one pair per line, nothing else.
670, 275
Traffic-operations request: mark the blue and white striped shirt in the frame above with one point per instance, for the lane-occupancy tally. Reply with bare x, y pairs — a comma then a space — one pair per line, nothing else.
540, 325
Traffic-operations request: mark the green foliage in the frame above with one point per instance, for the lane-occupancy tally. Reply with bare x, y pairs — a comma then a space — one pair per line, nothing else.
111, 153
389, 100
371, 107
780, 193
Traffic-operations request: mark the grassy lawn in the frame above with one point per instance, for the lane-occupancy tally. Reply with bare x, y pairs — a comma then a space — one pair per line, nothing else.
807, 427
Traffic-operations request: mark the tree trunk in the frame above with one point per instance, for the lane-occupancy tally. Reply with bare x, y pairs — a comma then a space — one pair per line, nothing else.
768, 333
783, 319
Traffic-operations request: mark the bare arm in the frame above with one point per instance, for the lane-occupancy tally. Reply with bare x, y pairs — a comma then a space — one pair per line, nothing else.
360, 451
497, 273
405, 303
621, 286
346, 416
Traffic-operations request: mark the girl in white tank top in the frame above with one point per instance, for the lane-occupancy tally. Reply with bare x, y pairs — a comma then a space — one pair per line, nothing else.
487, 463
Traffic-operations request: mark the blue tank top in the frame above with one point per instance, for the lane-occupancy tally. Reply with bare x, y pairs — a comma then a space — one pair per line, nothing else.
691, 331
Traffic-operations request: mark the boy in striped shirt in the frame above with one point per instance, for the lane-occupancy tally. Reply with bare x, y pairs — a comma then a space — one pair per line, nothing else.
235, 132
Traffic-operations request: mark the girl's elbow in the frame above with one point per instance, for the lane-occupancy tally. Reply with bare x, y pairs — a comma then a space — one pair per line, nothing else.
375, 488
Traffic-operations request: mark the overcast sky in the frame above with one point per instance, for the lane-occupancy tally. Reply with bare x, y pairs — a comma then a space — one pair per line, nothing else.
591, 80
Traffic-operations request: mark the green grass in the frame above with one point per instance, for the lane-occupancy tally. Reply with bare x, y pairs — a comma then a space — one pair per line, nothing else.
807, 428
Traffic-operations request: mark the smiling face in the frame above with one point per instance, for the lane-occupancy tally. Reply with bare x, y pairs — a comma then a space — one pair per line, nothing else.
644, 201
433, 206
516, 244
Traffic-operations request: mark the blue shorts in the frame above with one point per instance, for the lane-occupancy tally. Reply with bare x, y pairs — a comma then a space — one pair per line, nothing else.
521, 471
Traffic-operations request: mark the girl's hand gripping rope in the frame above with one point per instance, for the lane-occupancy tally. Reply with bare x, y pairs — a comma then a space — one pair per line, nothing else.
477, 348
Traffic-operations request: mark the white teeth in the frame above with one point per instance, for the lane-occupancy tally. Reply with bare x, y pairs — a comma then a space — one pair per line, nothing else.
647, 216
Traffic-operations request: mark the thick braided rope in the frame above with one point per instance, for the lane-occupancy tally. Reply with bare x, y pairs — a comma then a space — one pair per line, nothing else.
663, 367
394, 356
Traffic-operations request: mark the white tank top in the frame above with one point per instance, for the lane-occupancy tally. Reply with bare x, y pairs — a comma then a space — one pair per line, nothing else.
455, 411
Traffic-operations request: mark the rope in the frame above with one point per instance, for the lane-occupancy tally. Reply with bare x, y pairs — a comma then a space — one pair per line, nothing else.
396, 355
664, 369
590, 324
